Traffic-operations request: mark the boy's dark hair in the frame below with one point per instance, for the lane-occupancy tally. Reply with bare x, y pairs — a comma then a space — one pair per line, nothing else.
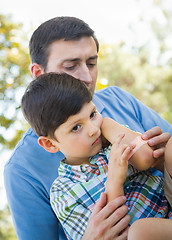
51, 99
67, 28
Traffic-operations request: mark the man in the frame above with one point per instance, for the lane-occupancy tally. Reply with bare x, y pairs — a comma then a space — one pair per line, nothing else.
67, 44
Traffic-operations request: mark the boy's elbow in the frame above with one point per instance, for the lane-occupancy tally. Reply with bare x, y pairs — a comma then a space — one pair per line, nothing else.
143, 158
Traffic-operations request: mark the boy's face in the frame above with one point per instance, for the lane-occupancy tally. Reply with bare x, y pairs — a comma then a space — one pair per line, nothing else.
80, 136
75, 57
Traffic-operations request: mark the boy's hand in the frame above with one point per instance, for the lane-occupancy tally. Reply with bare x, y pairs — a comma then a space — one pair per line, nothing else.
156, 139
118, 161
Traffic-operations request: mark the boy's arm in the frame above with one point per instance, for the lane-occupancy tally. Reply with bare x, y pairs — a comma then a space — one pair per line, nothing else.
142, 159
117, 168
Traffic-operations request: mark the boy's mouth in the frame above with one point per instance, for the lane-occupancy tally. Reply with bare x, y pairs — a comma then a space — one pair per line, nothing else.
97, 141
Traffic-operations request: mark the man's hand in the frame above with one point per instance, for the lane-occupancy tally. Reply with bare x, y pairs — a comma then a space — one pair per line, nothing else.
157, 140
108, 221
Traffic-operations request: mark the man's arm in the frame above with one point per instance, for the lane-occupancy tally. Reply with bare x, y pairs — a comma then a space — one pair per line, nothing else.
32, 215
28, 176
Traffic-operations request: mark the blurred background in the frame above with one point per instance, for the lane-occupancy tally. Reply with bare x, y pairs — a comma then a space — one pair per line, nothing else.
135, 54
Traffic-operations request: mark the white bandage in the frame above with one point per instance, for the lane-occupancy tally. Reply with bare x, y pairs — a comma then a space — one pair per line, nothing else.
138, 141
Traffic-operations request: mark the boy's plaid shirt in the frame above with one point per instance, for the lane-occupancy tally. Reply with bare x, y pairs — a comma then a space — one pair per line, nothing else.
76, 190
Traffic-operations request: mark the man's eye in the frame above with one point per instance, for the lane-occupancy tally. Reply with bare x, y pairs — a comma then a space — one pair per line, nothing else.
76, 128
91, 65
70, 68
93, 114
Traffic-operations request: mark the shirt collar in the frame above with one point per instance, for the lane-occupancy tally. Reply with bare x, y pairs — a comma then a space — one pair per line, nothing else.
84, 171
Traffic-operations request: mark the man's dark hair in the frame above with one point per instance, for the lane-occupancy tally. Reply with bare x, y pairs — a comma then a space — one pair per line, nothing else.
67, 28
51, 99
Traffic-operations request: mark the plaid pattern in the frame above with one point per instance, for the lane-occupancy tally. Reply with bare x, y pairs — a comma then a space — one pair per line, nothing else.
76, 190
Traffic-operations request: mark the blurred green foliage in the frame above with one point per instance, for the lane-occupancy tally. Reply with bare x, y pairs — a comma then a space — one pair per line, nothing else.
150, 84
132, 67
7, 231
14, 74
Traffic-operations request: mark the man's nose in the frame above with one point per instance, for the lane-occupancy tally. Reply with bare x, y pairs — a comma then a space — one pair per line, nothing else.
84, 74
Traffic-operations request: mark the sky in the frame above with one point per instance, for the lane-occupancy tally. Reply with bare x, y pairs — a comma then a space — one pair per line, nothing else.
110, 19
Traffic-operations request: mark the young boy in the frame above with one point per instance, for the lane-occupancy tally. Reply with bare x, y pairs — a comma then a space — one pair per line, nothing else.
59, 108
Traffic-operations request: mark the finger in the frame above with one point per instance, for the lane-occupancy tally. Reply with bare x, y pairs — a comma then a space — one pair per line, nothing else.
119, 138
101, 203
121, 228
118, 149
124, 235
126, 153
159, 152
110, 209
118, 215
160, 139
155, 131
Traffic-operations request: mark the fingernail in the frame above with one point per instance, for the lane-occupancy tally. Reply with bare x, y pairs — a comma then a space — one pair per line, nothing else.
129, 148
151, 142
144, 136
155, 154
124, 198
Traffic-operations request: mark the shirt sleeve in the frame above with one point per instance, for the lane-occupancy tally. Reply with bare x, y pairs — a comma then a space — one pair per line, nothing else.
30, 208
28, 176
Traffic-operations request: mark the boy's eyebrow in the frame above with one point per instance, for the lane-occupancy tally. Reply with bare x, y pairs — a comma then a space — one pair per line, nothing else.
77, 59
80, 119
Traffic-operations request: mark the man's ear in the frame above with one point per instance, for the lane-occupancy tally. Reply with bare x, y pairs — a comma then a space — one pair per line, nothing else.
48, 144
36, 70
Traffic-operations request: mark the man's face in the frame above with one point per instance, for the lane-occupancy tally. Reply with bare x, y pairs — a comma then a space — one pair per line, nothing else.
79, 137
75, 57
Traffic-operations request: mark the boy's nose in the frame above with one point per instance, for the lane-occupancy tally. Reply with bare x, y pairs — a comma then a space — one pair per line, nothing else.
92, 129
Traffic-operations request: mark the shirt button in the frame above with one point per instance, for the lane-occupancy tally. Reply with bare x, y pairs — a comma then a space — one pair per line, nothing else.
83, 168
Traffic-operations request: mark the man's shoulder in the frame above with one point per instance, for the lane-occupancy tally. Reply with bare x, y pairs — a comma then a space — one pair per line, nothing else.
28, 141
109, 90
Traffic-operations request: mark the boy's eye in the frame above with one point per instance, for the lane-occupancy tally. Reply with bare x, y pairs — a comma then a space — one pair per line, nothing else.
76, 128
93, 114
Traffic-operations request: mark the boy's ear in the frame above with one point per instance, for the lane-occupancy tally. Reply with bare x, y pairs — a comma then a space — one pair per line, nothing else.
48, 144
36, 70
